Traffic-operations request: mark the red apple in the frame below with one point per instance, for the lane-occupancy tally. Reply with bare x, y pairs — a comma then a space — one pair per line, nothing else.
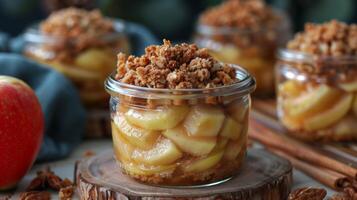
21, 130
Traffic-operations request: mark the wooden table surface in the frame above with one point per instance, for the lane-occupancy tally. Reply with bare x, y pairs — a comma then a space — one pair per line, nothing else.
64, 168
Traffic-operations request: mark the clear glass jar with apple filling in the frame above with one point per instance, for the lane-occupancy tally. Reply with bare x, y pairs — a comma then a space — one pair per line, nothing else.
85, 56
317, 104
247, 33
180, 137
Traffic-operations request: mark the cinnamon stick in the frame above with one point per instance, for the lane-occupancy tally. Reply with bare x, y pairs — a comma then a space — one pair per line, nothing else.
327, 177
297, 149
266, 106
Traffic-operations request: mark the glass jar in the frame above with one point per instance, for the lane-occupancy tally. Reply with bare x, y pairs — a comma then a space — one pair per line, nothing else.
317, 95
180, 137
253, 49
86, 63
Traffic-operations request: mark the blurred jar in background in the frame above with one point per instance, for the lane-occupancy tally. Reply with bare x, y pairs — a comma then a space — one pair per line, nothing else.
317, 83
247, 33
82, 45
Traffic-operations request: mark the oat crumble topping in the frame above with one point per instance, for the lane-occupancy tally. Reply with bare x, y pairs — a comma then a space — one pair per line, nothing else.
332, 38
74, 22
252, 14
181, 66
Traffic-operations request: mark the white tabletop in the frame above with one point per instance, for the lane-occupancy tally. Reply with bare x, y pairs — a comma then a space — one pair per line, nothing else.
64, 168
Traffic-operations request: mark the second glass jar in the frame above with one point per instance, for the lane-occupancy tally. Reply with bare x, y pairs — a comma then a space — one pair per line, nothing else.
254, 49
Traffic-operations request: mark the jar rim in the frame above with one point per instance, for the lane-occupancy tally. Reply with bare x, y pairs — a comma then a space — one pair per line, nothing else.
299, 56
244, 86
34, 35
227, 30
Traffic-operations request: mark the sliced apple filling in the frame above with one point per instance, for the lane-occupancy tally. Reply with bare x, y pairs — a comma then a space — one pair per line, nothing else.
330, 116
139, 137
314, 101
204, 163
139, 169
160, 119
164, 152
205, 121
196, 146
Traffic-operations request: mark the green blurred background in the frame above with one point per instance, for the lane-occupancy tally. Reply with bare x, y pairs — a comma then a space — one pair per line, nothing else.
172, 19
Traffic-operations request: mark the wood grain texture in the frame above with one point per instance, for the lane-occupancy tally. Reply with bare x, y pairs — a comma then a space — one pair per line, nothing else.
263, 176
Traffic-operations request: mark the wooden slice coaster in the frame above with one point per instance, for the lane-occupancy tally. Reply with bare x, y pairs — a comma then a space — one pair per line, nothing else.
263, 176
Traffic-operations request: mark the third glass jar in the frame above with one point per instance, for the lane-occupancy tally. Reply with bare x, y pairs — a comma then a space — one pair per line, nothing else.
317, 106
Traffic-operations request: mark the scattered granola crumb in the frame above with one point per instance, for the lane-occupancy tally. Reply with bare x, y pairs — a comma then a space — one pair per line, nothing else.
307, 193
182, 66
47, 179
35, 195
66, 193
348, 193
252, 14
332, 38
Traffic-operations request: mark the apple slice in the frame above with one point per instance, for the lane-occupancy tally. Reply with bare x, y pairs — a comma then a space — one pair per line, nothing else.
98, 60
238, 109
315, 101
354, 105
330, 116
159, 119
231, 129
75, 73
192, 145
291, 88
164, 152
221, 143
139, 137
291, 123
234, 147
227, 54
346, 126
136, 169
205, 121
349, 87
122, 148
203, 164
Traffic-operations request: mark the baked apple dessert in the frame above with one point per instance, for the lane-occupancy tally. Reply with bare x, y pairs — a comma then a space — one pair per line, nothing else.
317, 82
179, 117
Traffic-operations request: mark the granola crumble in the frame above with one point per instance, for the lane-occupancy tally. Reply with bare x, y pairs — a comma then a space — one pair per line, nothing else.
181, 66
307, 193
74, 22
328, 44
35, 195
332, 38
252, 14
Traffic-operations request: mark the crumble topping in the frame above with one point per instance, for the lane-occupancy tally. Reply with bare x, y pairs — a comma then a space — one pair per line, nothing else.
181, 66
335, 39
74, 22
252, 14
332, 38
